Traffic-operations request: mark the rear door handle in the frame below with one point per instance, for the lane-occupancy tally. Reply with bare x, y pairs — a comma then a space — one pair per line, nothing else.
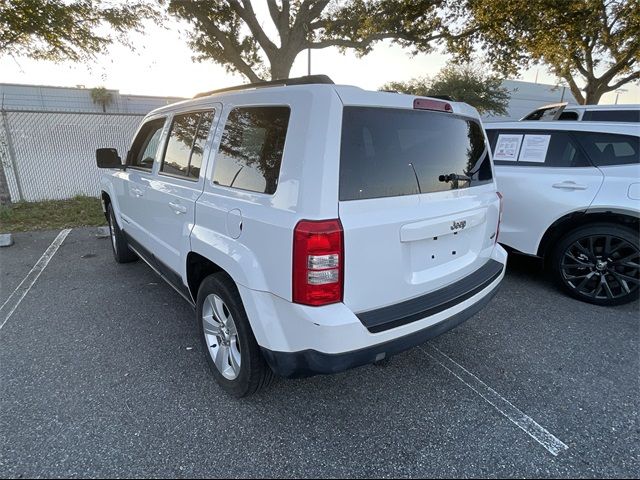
569, 186
137, 192
177, 208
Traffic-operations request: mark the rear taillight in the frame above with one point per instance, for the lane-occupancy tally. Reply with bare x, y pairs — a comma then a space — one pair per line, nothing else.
318, 262
499, 215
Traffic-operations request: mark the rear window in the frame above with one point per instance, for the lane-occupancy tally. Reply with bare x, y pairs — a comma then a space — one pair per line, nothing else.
612, 116
392, 152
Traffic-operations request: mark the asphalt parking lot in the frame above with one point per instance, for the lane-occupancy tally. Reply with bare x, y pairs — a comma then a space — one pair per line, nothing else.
102, 375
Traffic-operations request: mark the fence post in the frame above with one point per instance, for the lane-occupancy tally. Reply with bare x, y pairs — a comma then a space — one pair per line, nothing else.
5, 194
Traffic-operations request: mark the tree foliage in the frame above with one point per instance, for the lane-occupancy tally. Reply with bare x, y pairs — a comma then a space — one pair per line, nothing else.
595, 42
464, 83
67, 29
231, 33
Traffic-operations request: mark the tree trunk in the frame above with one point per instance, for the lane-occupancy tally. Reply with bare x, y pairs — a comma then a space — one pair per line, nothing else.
593, 96
281, 68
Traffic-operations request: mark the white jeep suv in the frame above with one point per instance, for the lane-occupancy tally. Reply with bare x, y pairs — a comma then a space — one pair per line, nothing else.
314, 227
572, 196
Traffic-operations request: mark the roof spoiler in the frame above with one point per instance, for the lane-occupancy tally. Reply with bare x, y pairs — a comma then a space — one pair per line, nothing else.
306, 80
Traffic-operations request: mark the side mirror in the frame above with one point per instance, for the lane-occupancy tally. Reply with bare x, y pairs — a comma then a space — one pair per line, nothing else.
108, 158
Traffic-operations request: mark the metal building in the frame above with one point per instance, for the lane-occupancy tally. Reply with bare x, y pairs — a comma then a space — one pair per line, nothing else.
48, 137
527, 96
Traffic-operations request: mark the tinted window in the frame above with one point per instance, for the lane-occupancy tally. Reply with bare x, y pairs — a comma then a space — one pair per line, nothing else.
390, 152
197, 152
610, 149
612, 116
144, 148
188, 134
562, 150
251, 149
568, 116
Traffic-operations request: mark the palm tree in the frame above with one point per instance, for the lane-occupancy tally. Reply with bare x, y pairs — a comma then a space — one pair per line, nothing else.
101, 96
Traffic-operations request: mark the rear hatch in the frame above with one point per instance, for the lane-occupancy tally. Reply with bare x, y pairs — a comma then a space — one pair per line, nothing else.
418, 203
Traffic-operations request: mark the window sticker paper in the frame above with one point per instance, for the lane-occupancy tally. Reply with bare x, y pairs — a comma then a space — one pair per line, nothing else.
534, 148
507, 148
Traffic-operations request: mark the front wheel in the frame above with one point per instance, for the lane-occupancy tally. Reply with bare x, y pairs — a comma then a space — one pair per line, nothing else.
232, 352
599, 264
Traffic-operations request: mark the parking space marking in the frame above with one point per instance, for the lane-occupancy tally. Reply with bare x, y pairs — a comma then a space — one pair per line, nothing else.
501, 404
11, 303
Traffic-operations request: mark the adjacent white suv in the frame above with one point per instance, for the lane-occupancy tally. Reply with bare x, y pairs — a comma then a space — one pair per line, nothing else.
586, 113
314, 227
572, 196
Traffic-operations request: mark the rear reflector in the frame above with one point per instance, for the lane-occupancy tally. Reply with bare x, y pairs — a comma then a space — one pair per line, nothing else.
499, 215
318, 259
429, 104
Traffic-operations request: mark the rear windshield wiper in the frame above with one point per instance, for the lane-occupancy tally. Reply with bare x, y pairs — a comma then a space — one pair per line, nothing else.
454, 178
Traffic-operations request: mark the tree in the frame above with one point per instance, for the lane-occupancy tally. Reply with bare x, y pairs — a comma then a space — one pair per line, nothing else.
464, 83
590, 42
101, 96
230, 33
66, 30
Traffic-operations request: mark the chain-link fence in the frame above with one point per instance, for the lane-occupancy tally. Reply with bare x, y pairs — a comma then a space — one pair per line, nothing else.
51, 155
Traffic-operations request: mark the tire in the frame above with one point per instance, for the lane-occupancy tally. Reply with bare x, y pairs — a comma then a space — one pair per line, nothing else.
121, 251
226, 342
599, 264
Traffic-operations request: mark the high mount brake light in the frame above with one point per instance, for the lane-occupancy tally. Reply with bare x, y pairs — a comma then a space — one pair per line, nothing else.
429, 104
318, 262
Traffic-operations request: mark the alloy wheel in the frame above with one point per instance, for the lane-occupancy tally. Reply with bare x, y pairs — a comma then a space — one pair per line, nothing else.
601, 267
112, 233
221, 336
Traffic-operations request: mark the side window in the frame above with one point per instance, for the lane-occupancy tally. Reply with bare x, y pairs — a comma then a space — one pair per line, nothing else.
185, 147
206, 119
568, 116
251, 149
612, 116
564, 152
536, 148
144, 148
606, 149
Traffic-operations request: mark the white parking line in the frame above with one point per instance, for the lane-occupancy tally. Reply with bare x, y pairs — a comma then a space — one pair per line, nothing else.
10, 305
501, 404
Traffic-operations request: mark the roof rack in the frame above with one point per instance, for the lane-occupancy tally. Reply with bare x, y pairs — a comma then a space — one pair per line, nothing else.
307, 80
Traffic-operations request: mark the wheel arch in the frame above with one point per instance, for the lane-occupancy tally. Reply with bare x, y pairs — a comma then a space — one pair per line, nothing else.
198, 268
579, 219
106, 201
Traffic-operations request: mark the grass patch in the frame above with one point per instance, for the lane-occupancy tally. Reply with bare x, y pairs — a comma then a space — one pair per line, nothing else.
53, 214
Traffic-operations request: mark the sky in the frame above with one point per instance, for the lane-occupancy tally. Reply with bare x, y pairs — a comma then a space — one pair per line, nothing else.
162, 65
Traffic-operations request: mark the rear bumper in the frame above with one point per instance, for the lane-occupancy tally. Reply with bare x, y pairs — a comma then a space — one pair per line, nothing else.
311, 362
298, 340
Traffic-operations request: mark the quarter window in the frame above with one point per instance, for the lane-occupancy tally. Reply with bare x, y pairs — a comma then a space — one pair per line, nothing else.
605, 149
251, 149
185, 147
145, 146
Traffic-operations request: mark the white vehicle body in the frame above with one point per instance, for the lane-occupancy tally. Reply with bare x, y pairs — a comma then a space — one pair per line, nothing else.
588, 113
577, 176
396, 249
